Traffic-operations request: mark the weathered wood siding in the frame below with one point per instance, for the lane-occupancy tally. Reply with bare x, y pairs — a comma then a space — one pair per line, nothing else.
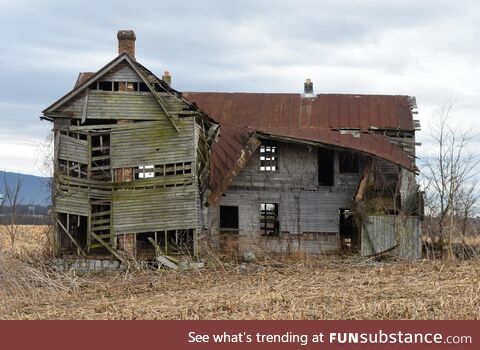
124, 105
132, 105
156, 209
308, 213
123, 73
73, 149
152, 143
122, 131
297, 169
380, 233
73, 200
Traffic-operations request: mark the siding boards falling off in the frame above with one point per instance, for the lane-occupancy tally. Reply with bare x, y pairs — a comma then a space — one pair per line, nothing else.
72, 201
380, 233
72, 149
154, 209
157, 144
123, 105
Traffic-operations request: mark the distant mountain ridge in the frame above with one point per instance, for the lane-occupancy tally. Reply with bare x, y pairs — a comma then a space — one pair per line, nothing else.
35, 189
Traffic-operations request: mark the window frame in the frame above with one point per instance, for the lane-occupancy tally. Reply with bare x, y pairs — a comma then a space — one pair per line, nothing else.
266, 219
221, 222
269, 152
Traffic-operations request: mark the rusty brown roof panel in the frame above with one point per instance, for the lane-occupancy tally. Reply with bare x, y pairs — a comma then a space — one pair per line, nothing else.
230, 153
292, 110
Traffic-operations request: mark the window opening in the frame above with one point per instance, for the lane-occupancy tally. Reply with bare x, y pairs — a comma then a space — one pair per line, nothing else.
269, 223
268, 157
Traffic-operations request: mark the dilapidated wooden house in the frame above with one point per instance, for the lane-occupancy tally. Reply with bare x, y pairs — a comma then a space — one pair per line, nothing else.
142, 169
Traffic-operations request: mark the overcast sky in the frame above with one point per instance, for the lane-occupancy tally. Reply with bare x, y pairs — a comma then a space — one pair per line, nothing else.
428, 49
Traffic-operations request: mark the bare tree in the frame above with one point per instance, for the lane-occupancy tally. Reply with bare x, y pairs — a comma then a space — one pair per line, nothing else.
450, 174
12, 202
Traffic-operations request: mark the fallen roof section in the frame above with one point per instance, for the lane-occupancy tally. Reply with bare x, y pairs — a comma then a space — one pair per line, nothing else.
237, 144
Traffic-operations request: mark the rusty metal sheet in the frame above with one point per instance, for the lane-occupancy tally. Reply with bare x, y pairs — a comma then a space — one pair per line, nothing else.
261, 110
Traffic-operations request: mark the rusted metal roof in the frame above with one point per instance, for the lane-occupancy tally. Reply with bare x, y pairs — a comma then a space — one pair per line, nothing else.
230, 153
244, 117
332, 111
83, 77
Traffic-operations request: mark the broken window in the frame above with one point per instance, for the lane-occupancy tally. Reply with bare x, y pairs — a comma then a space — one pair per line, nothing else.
145, 172
143, 87
132, 86
229, 217
348, 162
151, 170
325, 167
268, 157
118, 86
105, 85
75, 169
269, 224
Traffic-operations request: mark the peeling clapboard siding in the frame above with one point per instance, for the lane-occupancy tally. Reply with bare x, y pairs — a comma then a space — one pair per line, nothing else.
154, 209
72, 201
152, 144
123, 105
383, 233
72, 149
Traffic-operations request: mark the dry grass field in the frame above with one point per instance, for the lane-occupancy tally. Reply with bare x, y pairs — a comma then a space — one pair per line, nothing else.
326, 288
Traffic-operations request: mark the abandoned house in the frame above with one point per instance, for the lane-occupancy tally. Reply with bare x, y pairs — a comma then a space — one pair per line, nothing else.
142, 169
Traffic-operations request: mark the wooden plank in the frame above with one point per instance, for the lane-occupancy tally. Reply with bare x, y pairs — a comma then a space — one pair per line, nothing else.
85, 107
71, 237
100, 213
101, 228
70, 148
109, 248
163, 259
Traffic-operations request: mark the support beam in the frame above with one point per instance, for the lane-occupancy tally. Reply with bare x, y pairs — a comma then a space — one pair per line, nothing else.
109, 248
71, 237
162, 259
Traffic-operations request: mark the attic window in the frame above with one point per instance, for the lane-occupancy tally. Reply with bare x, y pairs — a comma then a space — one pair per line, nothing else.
132, 86
268, 157
269, 224
348, 163
145, 172
105, 85
143, 87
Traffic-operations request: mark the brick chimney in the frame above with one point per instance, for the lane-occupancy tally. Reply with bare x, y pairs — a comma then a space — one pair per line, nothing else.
126, 42
308, 88
166, 77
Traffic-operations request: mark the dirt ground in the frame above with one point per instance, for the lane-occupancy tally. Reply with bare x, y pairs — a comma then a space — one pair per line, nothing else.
325, 288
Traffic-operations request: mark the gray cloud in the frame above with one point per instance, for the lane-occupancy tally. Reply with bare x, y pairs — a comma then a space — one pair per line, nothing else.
423, 48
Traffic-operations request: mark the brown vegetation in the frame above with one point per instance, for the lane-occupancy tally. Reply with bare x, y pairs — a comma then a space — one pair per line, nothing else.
328, 288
